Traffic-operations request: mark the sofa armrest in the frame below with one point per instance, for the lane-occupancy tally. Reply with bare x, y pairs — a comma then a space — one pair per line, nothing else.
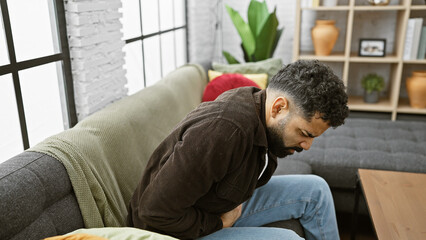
36, 198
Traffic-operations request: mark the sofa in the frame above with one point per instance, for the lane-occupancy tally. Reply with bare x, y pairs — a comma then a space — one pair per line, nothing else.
85, 176
337, 154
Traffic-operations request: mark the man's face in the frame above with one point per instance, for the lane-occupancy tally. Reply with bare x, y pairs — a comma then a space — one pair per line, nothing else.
291, 133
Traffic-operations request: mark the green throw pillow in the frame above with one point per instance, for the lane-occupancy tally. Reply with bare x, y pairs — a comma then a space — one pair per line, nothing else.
270, 66
119, 233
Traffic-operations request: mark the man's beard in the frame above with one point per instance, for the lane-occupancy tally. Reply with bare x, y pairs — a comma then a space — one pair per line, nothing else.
276, 144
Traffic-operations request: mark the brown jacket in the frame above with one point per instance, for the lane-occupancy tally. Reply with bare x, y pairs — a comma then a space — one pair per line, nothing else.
207, 166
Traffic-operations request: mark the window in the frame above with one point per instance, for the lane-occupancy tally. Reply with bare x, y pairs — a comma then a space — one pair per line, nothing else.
36, 91
155, 32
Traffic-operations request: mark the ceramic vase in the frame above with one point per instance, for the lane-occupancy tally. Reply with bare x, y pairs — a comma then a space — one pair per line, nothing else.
416, 88
324, 36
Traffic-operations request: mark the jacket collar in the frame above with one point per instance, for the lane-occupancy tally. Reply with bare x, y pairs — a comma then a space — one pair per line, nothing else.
260, 135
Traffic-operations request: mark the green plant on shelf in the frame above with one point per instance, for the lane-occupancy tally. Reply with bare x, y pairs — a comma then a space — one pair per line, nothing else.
372, 82
259, 36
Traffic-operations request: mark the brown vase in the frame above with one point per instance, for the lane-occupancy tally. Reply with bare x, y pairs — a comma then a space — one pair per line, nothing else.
416, 88
324, 36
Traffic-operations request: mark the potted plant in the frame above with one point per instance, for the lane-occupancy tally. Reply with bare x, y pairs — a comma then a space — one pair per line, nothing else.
372, 84
259, 36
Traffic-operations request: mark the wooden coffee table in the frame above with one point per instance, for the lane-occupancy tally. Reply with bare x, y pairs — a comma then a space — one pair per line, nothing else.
397, 203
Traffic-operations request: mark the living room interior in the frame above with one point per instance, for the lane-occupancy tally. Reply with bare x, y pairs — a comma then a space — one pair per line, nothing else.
84, 79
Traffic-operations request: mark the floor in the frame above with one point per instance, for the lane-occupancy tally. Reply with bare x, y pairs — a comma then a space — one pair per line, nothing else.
365, 227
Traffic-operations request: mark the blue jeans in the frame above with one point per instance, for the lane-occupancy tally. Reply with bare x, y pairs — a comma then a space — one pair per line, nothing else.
304, 197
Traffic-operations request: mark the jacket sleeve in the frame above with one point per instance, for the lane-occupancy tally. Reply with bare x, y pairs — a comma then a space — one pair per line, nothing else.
201, 158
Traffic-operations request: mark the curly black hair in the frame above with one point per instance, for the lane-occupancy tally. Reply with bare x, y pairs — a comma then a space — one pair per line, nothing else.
314, 88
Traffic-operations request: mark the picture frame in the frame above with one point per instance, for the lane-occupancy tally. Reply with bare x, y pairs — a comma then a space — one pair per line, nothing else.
372, 47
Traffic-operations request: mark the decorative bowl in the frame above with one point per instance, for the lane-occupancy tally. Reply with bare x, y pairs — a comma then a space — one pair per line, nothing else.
378, 2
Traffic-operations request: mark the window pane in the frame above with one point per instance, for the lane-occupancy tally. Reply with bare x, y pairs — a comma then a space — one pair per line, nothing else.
134, 66
152, 60
32, 28
10, 137
131, 19
179, 13
168, 52
42, 103
166, 14
180, 47
149, 16
4, 54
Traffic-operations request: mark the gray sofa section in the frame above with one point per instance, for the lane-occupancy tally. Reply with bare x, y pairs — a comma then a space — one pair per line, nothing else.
37, 199
364, 143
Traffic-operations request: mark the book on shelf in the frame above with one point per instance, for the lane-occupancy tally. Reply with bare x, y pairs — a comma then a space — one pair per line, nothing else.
408, 39
422, 45
412, 38
416, 37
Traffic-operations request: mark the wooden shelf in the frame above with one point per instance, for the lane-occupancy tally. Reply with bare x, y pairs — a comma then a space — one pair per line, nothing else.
348, 58
387, 59
379, 8
415, 61
404, 107
320, 8
334, 57
418, 7
357, 103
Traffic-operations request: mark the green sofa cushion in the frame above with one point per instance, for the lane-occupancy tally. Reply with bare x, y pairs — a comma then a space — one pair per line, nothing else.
269, 66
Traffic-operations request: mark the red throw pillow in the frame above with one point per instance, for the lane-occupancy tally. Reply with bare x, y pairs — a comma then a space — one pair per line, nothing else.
224, 83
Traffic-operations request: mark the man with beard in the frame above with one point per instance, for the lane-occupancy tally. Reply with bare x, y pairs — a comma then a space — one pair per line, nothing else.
211, 178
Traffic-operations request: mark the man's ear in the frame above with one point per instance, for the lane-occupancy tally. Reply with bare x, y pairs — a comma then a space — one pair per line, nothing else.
280, 106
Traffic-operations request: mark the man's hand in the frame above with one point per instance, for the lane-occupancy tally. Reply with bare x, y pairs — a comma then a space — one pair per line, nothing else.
229, 218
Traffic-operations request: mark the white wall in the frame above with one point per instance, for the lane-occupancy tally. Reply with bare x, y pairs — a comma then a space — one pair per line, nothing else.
211, 29
96, 45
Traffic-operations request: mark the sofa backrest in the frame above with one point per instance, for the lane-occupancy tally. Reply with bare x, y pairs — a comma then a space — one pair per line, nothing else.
168, 102
124, 135
151, 114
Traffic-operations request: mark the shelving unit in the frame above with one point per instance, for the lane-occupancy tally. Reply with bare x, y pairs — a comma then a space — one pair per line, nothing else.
395, 101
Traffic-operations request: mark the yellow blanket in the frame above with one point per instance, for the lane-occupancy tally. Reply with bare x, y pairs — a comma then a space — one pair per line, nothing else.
77, 236
105, 154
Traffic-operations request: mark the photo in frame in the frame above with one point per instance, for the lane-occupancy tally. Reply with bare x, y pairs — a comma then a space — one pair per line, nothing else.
372, 47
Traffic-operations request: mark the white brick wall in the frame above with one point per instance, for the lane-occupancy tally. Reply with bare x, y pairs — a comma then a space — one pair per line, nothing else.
201, 30
97, 57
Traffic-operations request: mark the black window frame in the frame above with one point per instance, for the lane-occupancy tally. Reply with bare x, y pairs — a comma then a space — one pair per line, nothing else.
14, 66
159, 33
